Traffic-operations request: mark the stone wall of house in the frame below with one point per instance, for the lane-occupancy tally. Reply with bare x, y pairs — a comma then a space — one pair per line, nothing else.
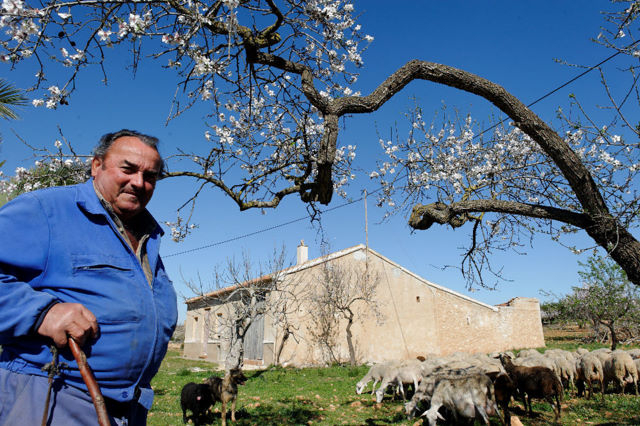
463, 325
417, 318
193, 334
520, 324
420, 318
469, 327
407, 315
202, 334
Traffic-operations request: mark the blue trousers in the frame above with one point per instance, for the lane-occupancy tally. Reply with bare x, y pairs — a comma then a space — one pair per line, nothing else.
23, 397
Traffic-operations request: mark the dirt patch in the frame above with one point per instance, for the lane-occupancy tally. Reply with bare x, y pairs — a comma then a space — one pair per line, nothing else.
566, 332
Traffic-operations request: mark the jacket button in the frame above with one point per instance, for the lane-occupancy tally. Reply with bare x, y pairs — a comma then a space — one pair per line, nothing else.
125, 394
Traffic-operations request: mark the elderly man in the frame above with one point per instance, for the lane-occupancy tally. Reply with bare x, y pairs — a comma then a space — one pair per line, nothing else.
83, 262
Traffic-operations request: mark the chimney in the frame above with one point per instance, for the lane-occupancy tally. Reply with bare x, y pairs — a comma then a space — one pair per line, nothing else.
302, 253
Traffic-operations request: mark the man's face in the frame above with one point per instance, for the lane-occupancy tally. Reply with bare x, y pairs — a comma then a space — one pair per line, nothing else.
126, 176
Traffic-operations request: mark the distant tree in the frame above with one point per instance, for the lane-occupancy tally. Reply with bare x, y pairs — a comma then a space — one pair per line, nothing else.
342, 294
606, 298
283, 304
58, 168
44, 174
10, 97
278, 76
550, 312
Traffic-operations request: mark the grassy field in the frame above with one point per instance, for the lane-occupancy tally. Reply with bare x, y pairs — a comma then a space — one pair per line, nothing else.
326, 396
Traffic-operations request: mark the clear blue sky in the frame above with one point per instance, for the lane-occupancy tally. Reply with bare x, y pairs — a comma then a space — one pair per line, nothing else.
513, 43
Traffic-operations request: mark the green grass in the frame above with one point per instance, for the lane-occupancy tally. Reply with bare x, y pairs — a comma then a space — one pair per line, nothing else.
326, 396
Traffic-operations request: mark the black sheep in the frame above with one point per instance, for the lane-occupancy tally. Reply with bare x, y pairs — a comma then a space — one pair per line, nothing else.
197, 398
535, 382
504, 389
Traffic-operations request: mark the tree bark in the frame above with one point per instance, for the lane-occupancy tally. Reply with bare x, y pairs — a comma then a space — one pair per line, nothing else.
235, 357
614, 336
352, 351
285, 337
604, 229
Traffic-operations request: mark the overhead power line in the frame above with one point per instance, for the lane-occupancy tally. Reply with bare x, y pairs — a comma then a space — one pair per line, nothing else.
563, 85
260, 231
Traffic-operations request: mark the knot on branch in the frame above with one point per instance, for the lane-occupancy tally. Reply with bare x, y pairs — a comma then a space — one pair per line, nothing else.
322, 189
266, 39
423, 216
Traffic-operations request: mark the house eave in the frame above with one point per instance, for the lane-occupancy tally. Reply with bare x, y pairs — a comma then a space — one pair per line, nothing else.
228, 290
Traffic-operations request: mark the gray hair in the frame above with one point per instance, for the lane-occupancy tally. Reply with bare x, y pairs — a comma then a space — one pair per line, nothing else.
107, 140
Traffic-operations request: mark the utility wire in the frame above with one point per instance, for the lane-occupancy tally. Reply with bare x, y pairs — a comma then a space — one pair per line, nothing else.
546, 95
260, 231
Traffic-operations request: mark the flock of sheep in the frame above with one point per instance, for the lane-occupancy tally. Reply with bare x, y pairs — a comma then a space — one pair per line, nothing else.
476, 386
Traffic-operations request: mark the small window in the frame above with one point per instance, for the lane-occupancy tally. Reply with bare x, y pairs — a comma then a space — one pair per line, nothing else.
417, 299
194, 330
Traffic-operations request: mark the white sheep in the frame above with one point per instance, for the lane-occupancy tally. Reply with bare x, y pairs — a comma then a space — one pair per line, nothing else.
635, 353
375, 374
486, 363
527, 353
565, 366
620, 369
589, 370
537, 361
407, 372
431, 376
569, 356
581, 351
603, 354
470, 397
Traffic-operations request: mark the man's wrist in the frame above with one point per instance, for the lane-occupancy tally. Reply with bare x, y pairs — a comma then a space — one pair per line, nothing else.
43, 313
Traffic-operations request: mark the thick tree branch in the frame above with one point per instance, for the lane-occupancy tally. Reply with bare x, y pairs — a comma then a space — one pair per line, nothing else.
456, 214
553, 145
237, 196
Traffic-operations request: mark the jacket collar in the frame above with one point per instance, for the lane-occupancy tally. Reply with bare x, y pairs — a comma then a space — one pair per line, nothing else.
88, 200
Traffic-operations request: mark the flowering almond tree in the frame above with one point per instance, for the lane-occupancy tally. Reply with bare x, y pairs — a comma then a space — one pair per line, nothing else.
605, 298
278, 76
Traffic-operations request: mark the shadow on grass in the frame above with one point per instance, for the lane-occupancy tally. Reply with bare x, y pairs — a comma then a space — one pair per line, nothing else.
159, 391
271, 415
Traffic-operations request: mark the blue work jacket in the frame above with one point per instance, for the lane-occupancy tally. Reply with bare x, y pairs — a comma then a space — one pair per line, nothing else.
60, 244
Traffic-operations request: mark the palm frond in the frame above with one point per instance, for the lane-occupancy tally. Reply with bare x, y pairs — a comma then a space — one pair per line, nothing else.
10, 97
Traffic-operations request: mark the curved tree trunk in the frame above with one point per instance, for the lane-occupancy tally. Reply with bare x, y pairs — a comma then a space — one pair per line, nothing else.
235, 357
620, 244
614, 336
285, 337
352, 351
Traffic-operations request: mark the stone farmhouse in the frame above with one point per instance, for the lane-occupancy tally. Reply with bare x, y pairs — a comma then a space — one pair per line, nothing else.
412, 317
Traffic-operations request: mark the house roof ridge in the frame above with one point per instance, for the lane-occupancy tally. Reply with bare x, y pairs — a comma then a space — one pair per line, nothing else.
289, 270
325, 258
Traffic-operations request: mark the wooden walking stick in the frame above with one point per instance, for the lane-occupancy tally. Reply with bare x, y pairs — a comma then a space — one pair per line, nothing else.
90, 381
